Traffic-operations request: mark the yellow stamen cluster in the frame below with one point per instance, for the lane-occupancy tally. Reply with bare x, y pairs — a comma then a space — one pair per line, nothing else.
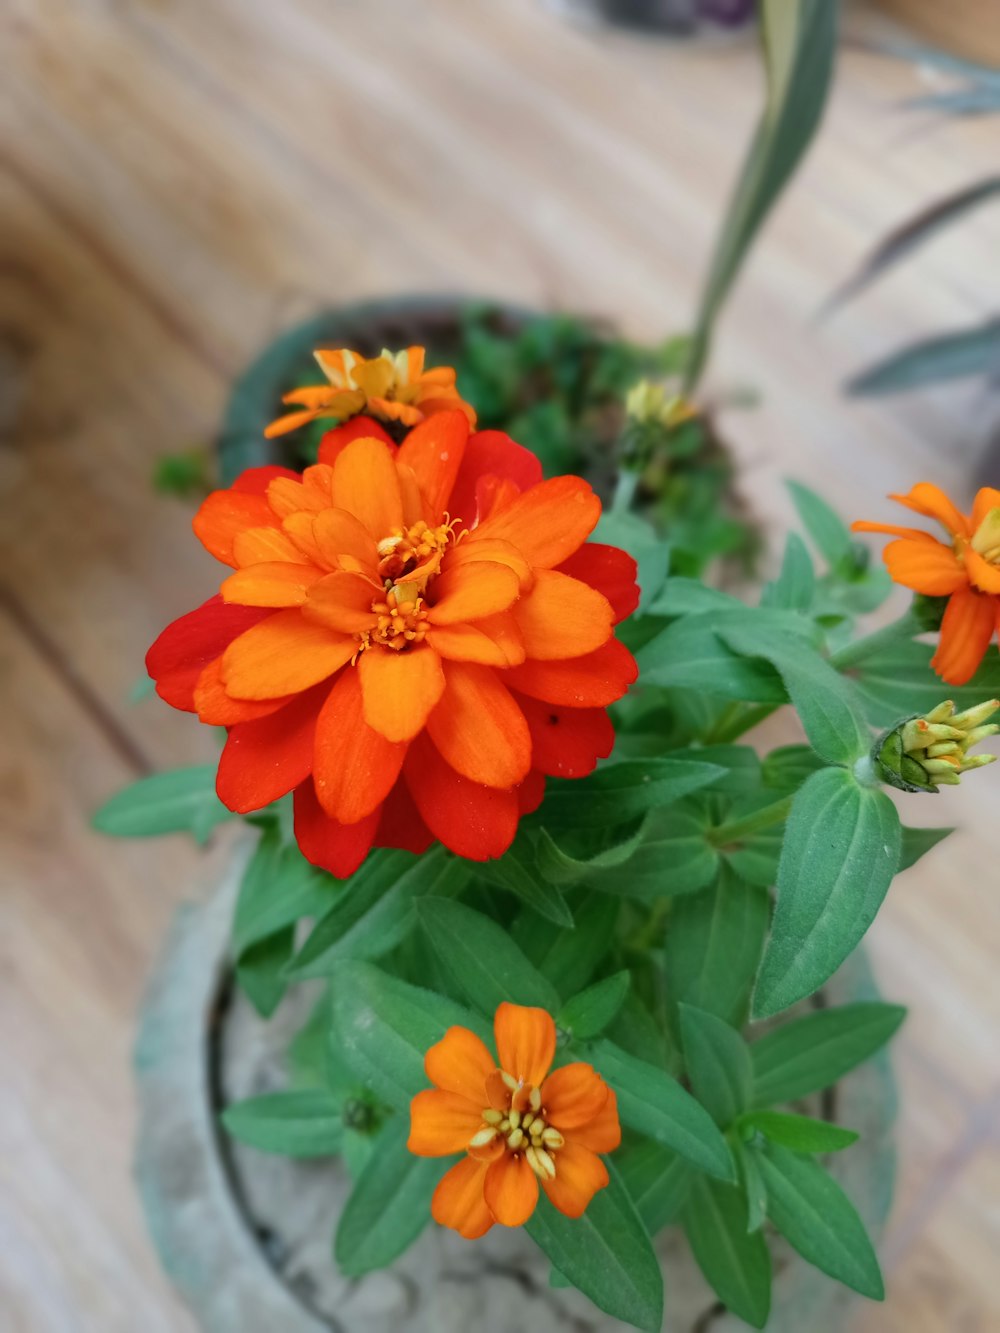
927, 752
986, 539
402, 619
414, 550
648, 402
522, 1131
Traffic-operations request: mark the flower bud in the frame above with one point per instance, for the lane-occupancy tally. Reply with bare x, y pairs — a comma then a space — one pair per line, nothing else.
925, 753
647, 403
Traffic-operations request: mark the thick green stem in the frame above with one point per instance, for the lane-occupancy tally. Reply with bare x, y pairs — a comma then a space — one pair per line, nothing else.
737, 830
852, 653
624, 490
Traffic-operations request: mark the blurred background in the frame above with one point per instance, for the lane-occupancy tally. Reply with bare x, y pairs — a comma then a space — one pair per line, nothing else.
181, 181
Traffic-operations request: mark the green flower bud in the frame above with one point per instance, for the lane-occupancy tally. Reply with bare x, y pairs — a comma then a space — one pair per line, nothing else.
925, 753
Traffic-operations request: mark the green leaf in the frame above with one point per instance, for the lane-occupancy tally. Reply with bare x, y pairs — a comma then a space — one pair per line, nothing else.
917, 842
590, 1012
800, 40
260, 970
375, 909
718, 1064
390, 1204
786, 768
181, 801
795, 585
299, 1123
519, 871
736, 1264
644, 544
606, 1254
898, 682
560, 867
383, 1028
656, 1178
799, 1133
950, 356
754, 1189
829, 533
279, 887
683, 597
824, 699
621, 792
482, 957
690, 654
569, 958
816, 1217
713, 944
813, 1052
842, 845
656, 1105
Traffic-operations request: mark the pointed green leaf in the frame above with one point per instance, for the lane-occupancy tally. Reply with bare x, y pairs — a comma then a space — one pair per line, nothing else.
569, 958
606, 1253
180, 801
279, 887
298, 1123
794, 587
917, 842
829, 533
718, 1064
812, 1053
482, 957
799, 1133
590, 1012
842, 845
656, 1105
519, 871
621, 792
753, 1185
949, 356
817, 1218
389, 1205
735, 1262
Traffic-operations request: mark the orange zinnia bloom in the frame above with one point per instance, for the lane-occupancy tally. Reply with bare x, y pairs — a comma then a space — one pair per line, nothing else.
965, 569
516, 1123
412, 639
393, 387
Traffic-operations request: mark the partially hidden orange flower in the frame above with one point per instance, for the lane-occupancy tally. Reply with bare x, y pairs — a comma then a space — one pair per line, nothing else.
411, 639
392, 387
965, 569
518, 1125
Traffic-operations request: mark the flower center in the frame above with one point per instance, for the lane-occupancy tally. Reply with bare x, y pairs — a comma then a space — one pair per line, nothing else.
522, 1128
402, 618
414, 553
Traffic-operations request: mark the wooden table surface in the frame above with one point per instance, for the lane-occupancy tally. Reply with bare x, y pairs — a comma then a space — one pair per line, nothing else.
179, 181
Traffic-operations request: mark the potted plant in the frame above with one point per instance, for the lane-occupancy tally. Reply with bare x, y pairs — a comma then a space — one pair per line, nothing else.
531, 940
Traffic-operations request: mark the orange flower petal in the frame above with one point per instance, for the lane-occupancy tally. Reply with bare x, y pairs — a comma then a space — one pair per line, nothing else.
343, 602
256, 546
893, 530
497, 1091
460, 1062
458, 1201
400, 689
579, 1175
562, 617
609, 570
442, 1123
511, 1190
526, 1041
987, 498
354, 768
492, 549
300, 528
310, 495
366, 485
495, 641
926, 567
478, 727
573, 1096
931, 501
471, 820
604, 1132
472, 591
214, 706
969, 621
284, 654
433, 451
290, 421
225, 514
343, 542
982, 574
591, 681
336, 441
273, 583
546, 524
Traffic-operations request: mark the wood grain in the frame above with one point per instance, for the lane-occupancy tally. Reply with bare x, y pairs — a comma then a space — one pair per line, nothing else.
180, 179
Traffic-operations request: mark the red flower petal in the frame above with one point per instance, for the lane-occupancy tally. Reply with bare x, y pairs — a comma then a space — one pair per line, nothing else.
491, 451
266, 759
358, 428
566, 742
472, 821
181, 653
339, 848
592, 681
609, 570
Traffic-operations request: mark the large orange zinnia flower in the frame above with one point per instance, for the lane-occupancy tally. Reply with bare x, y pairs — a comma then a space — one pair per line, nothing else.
412, 639
965, 569
393, 386
516, 1123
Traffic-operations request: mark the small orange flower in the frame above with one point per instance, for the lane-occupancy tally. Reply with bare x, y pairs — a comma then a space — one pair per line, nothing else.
517, 1124
392, 387
965, 569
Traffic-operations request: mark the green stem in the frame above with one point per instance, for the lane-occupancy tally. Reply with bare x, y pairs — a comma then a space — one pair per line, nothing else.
625, 490
739, 829
852, 653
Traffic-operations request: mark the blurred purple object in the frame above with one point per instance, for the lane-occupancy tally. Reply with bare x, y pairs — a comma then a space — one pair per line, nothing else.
728, 13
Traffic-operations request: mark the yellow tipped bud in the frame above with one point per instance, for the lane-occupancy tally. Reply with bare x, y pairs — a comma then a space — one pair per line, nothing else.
649, 402
923, 753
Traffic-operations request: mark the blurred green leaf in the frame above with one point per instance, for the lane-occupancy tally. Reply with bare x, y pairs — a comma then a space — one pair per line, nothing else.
180, 801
